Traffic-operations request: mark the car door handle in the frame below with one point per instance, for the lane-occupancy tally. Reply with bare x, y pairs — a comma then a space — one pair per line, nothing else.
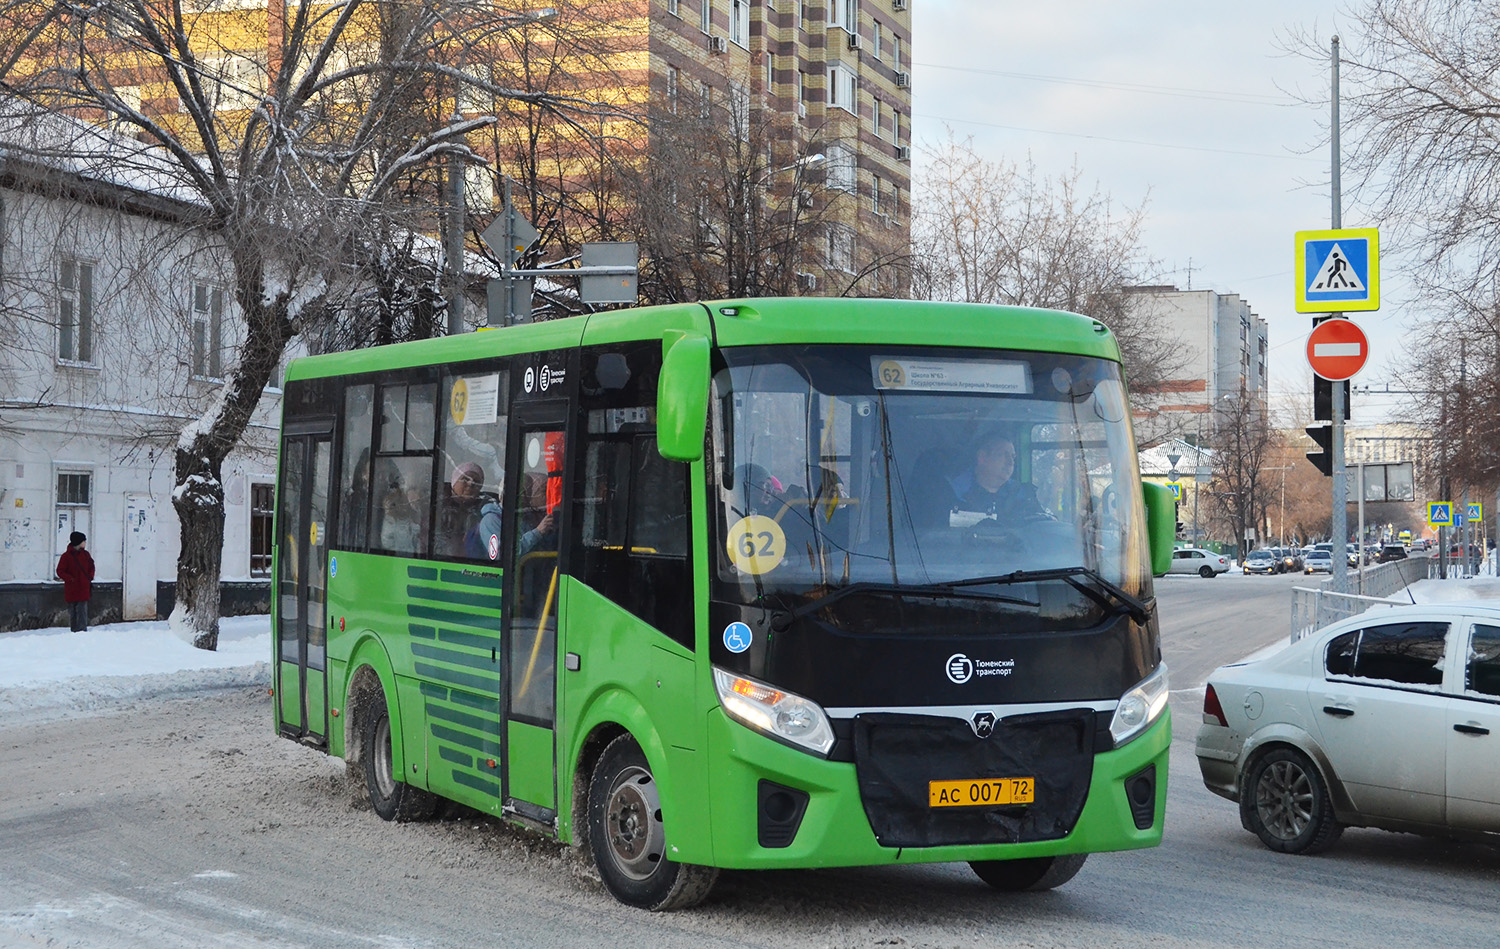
1337, 711
1471, 729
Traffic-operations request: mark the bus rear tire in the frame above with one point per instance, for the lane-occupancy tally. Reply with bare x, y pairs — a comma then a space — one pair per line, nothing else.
391, 798
1032, 874
628, 838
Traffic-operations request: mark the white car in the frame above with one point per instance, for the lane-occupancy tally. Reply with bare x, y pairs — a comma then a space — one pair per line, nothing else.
1389, 719
1205, 563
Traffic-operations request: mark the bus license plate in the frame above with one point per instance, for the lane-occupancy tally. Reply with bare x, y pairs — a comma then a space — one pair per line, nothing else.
981, 792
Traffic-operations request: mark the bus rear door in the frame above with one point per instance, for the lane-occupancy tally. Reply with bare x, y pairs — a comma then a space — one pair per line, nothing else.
302, 580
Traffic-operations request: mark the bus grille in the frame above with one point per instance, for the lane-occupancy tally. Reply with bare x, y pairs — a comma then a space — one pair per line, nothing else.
896, 755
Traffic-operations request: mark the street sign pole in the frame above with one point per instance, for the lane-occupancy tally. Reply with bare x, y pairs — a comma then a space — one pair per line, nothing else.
1340, 579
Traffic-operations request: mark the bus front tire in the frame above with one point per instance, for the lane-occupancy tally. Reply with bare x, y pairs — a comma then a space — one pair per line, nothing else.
628, 838
1032, 874
392, 799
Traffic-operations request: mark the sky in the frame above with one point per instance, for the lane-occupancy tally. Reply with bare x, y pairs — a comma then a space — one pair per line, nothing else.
1192, 107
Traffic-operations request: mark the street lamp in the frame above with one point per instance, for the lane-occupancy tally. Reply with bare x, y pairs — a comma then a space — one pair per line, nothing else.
1281, 528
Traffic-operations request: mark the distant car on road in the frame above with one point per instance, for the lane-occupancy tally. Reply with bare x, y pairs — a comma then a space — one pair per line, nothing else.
1319, 561
1391, 552
1291, 559
1205, 563
1389, 719
1263, 561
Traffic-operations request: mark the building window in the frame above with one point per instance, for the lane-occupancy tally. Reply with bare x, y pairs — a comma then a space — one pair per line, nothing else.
801, 86
875, 38
74, 500
875, 188
706, 17
875, 117
840, 248
674, 78
895, 199
208, 322
739, 22
799, 12
770, 72
841, 87
705, 100
844, 14
261, 511
674, 7
841, 167
896, 126
895, 51
75, 311
739, 110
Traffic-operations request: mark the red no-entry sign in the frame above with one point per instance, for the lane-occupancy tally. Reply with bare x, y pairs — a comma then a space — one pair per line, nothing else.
1337, 349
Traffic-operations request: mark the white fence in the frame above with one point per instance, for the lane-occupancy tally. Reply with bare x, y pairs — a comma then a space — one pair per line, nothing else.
1316, 607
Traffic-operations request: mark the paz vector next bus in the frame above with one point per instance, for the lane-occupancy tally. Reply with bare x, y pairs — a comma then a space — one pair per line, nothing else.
750, 584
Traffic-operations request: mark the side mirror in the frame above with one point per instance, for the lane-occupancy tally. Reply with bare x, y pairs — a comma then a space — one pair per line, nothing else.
1161, 525
682, 396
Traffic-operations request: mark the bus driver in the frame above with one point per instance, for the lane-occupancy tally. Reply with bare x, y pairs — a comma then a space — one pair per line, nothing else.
990, 488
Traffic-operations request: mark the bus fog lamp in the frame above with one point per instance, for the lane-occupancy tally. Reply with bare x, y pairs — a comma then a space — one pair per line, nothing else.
1140, 707
773, 712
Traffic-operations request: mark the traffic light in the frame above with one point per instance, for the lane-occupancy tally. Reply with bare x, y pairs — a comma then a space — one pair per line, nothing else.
1323, 399
1322, 435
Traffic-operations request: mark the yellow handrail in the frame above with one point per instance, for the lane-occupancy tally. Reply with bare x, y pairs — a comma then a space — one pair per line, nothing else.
541, 625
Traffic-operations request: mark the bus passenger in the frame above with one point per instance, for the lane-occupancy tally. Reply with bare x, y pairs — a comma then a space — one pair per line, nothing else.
461, 511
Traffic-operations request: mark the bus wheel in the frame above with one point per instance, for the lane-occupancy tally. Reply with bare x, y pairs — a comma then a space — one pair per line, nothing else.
628, 838
1030, 874
392, 799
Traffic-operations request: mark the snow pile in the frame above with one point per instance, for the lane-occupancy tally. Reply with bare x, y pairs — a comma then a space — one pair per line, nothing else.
1451, 590
56, 668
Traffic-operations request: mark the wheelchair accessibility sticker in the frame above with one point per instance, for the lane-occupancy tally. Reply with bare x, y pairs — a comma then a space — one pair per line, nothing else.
737, 637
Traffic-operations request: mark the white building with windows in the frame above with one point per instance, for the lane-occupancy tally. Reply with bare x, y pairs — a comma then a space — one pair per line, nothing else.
1223, 354
116, 327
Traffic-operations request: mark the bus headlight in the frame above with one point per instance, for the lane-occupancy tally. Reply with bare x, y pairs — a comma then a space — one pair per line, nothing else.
1140, 707
773, 712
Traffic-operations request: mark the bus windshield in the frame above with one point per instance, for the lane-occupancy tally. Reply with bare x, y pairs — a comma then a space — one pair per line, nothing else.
922, 467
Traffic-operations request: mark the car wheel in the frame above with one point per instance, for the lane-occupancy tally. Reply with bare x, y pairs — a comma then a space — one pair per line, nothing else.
1285, 802
392, 799
1205, 571
1032, 874
628, 838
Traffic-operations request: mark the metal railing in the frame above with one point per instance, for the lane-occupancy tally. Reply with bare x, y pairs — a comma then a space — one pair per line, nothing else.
1316, 607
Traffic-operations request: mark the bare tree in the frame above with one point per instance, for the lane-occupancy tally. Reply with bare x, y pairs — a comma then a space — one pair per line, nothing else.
291, 131
1243, 442
995, 232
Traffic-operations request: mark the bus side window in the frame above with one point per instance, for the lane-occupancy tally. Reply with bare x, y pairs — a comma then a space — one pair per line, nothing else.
631, 508
354, 471
401, 504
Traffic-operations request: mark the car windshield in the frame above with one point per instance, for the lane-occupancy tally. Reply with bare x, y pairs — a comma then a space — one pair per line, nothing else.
1260, 555
914, 468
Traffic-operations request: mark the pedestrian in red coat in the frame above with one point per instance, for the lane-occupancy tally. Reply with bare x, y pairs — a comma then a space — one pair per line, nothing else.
75, 568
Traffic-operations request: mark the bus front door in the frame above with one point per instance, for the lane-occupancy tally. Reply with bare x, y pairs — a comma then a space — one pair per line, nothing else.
535, 489
301, 581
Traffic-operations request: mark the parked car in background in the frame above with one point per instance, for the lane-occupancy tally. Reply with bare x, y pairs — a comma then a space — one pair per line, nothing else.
1389, 719
1263, 561
1353, 554
1291, 558
1392, 552
1319, 561
1205, 563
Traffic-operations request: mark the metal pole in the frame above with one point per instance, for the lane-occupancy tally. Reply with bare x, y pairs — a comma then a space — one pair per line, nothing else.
508, 209
455, 241
1340, 580
1359, 545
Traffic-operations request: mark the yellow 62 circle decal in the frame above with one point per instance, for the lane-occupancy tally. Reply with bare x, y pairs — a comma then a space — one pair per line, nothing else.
756, 545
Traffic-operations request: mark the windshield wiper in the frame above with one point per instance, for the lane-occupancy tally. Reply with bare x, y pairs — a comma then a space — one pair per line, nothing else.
784, 618
1100, 590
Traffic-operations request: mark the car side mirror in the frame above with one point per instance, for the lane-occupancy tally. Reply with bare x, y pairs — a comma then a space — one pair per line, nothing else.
1161, 525
682, 396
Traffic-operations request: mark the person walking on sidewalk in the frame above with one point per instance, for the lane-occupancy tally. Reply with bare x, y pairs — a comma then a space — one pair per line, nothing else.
75, 568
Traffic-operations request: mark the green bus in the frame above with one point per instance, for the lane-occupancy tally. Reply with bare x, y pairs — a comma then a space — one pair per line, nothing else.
762, 583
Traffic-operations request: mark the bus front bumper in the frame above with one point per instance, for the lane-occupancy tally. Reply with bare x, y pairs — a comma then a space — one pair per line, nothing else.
834, 831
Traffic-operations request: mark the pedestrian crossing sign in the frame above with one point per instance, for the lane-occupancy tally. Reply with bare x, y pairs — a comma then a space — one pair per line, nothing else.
1338, 271
1440, 514
1476, 512
1176, 488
